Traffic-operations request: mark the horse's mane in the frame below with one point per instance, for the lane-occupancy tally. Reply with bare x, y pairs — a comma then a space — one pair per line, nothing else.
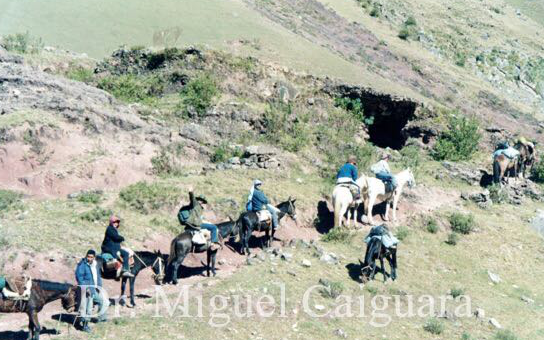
53, 286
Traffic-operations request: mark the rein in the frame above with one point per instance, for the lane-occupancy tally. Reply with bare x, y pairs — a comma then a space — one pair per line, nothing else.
160, 275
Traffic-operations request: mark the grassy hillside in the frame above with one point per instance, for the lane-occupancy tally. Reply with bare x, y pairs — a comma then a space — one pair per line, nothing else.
531, 8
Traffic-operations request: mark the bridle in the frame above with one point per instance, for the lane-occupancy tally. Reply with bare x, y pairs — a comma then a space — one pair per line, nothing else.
156, 277
72, 306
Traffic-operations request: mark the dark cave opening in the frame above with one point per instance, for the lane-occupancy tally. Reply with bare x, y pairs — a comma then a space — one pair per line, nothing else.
388, 115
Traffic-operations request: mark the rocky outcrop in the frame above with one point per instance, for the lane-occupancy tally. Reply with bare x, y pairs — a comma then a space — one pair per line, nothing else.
254, 157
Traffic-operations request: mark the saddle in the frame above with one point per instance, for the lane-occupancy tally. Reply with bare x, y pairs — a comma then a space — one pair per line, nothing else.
115, 264
201, 237
264, 216
19, 285
382, 233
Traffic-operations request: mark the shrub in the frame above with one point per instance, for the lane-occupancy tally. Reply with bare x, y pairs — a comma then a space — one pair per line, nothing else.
132, 88
452, 240
402, 233
460, 59
332, 290
411, 157
497, 194
461, 223
411, 21
505, 335
9, 199
456, 292
80, 73
404, 33
466, 336
375, 12
166, 161
89, 197
431, 225
198, 94
223, 152
458, 142
145, 197
292, 132
537, 172
355, 107
434, 326
96, 214
337, 235
22, 43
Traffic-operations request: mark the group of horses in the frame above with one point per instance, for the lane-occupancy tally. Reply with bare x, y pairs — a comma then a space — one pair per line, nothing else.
505, 167
165, 268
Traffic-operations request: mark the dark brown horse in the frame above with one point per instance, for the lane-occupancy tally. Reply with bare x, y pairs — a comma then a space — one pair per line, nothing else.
42, 293
142, 260
250, 222
504, 167
183, 245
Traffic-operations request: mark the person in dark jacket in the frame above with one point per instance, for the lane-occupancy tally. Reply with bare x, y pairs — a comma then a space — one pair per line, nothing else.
194, 219
89, 279
112, 245
348, 174
259, 201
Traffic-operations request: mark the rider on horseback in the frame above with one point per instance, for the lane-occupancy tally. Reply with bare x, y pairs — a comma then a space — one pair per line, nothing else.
348, 175
194, 220
383, 172
259, 202
112, 245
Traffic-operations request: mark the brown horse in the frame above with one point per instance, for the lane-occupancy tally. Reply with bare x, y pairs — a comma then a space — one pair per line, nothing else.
526, 157
42, 293
504, 167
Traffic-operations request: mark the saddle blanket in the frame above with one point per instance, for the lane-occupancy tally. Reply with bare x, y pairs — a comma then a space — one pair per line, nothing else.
264, 215
510, 153
201, 237
384, 235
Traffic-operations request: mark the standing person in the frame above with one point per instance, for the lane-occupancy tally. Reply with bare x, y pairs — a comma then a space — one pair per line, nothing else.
191, 216
89, 279
112, 245
348, 174
383, 172
259, 201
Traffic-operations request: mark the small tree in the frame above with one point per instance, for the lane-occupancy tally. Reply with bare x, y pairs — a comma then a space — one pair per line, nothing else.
459, 142
199, 94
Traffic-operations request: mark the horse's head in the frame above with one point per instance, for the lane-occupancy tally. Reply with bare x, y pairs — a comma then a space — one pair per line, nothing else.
72, 299
411, 181
291, 209
159, 268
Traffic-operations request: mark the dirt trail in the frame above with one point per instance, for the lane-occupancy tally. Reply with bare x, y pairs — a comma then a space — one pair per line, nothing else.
419, 200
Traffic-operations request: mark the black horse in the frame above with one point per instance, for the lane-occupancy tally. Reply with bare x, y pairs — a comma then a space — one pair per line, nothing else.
42, 293
250, 222
376, 250
142, 260
183, 245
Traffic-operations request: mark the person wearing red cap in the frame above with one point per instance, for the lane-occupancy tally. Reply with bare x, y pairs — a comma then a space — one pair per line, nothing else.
112, 244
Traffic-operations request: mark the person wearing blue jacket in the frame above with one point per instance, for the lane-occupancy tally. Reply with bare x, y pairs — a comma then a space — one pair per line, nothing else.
348, 175
259, 201
89, 279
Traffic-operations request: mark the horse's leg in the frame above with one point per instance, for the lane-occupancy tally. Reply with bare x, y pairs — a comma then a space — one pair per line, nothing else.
214, 254
34, 324
175, 267
393, 264
387, 207
208, 261
246, 241
382, 264
266, 237
272, 237
370, 207
396, 198
132, 280
123, 288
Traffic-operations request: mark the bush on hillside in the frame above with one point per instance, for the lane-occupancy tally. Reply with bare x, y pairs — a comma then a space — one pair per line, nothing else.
431, 225
461, 223
290, 131
80, 73
9, 199
337, 235
434, 326
223, 152
89, 197
458, 142
505, 335
96, 214
497, 194
537, 172
167, 160
145, 197
355, 107
411, 157
453, 238
402, 233
331, 290
198, 95
132, 88
22, 43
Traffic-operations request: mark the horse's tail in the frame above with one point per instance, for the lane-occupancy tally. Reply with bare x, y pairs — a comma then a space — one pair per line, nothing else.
496, 171
172, 252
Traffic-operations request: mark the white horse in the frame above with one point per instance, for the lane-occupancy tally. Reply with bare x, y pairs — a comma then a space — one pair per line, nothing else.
342, 200
376, 189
